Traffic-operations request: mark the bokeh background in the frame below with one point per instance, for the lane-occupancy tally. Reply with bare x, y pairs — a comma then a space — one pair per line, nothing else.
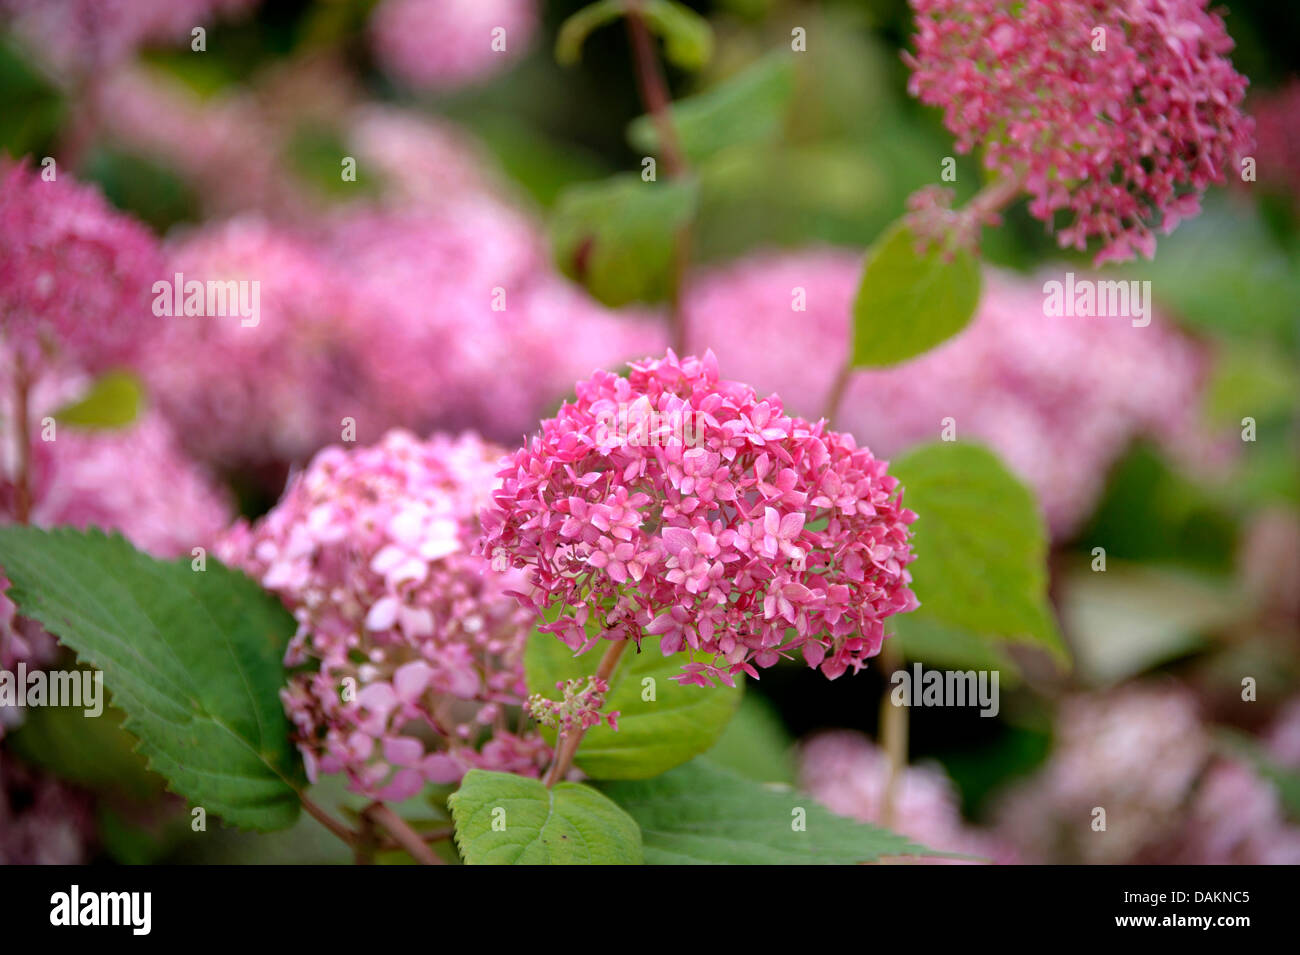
471, 166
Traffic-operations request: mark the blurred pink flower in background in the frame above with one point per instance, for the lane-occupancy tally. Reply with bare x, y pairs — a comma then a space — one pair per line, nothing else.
74, 275
422, 161
1277, 125
82, 36
222, 145
448, 358
1142, 754
1059, 398
846, 772
715, 522
408, 659
1121, 132
42, 820
443, 44
242, 393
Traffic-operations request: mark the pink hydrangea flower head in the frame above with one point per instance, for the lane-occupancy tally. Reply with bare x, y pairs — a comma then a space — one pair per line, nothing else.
846, 772
444, 44
407, 665
75, 274
676, 504
1116, 141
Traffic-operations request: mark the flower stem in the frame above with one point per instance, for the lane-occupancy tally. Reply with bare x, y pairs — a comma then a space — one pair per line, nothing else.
892, 736
328, 821
656, 100
838, 387
566, 747
402, 833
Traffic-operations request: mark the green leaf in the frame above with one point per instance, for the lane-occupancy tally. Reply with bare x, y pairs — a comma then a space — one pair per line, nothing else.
112, 401
653, 735
702, 814
618, 236
910, 301
980, 545
1134, 617
34, 108
936, 644
756, 744
749, 108
502, 819
687, 36
192, 658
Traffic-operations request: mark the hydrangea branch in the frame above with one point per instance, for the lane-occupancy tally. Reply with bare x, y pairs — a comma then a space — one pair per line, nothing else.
401, 831
656, 100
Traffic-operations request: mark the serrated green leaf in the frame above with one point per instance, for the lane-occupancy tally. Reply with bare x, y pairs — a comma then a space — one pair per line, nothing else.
746, 109
910, 301
700, 814
687, 36
617, 237
653, 735
980, 545
502, 819
112, 401
192, 658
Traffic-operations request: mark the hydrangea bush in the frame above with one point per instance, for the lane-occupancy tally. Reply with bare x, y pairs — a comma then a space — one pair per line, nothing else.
537, 514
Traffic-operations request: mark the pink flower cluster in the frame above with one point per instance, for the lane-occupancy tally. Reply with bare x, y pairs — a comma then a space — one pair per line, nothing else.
578, 709
74, 274
443, 44
1059, 398
848, 774
672, 502
1118, 131
81, 36
1142, 754
408, 658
